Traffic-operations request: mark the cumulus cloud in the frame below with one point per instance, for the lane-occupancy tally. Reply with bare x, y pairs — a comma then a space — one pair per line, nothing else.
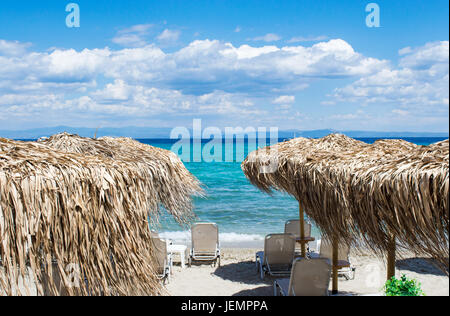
208, 77
421, 80
133, 36
13, 48
200, 67
431, 56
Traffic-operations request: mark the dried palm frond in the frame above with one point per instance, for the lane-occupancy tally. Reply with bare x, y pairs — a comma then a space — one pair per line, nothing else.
368, 192
172, 184
86, 214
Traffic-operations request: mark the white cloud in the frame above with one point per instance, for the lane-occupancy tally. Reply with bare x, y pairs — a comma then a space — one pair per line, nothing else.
133, 36
301, 39
237, 29
132, 40
201, 67
13, 48
204, 78
210, 77
246, 51
426, 57
420, 81
405, 51
270, 37
284, 99
168, 36
139, 28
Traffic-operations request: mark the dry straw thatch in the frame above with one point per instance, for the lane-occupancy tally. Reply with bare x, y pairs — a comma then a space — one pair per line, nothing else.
61, 210
171, 184
355, 191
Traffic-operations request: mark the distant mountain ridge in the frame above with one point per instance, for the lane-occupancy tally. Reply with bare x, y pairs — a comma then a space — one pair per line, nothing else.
164, 133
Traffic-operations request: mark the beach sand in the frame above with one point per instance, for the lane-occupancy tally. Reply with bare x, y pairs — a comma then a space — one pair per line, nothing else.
238, 277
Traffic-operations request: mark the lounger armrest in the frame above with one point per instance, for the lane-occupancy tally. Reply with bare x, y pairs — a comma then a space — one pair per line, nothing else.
314, 255
281, 286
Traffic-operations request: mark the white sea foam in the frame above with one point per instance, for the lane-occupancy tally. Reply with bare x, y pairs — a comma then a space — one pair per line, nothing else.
184, 237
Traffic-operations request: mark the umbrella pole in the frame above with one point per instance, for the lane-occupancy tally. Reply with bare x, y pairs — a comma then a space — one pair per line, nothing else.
302, 230
335, 264
391, 258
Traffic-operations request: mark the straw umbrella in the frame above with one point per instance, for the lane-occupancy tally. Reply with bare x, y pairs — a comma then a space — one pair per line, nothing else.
357, 191
163, 167
82, 218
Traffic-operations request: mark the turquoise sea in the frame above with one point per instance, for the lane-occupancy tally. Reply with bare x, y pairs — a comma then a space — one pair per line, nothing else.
244, 214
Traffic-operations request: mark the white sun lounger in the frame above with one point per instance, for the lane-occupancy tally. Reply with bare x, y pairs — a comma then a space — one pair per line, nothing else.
326, 251
278, 255
205, 243
293, 227
163, 259
309, 277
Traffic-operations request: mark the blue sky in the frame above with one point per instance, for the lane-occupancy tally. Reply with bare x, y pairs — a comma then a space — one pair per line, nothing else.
290, 64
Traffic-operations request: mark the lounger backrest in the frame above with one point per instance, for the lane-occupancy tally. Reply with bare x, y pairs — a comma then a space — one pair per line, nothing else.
293, 227
310, 277
160, 249
205, 238
326, 251
279, 249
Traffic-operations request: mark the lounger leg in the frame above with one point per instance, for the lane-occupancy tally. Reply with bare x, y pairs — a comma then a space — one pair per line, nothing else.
261, 270
350, 275
275, 292
183, 259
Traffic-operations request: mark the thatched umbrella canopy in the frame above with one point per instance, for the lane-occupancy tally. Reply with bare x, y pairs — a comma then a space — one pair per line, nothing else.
172, 185
358, 191
82, 214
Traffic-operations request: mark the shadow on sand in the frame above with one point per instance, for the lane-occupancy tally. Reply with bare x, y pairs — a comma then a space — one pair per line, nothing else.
268, 291
421, 266
243, 272
260, 291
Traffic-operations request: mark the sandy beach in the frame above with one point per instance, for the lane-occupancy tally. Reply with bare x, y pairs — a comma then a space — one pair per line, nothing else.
237, 276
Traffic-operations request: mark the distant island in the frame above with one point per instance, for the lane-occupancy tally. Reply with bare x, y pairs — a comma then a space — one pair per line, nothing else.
164, 133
